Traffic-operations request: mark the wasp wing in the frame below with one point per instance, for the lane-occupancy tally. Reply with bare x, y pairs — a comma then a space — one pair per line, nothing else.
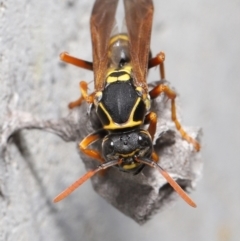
102, 23
139, 15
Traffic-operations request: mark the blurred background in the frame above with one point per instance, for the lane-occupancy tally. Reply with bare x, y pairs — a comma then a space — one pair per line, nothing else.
201, 41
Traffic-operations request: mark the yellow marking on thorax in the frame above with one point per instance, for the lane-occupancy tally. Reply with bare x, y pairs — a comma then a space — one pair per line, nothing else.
129, 123
124, 77
126, 68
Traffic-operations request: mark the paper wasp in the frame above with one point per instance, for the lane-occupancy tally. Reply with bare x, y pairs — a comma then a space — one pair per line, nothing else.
121, 97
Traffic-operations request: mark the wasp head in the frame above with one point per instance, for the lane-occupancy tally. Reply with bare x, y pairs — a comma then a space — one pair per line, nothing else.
126, 147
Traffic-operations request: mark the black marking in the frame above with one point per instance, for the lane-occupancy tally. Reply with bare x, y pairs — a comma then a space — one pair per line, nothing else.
139, 112
103, 117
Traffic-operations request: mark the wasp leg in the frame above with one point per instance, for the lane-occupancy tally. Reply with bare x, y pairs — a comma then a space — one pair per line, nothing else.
84, 96
75, 103
154, 93
75, 61
83, 85
158, 60
155, 157
90, 139
151, 119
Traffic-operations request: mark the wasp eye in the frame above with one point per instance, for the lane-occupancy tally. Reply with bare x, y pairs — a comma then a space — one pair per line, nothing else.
107, 147
110, 144
143, 140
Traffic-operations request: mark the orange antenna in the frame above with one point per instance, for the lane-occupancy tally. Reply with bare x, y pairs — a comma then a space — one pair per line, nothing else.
83, 179
174, 184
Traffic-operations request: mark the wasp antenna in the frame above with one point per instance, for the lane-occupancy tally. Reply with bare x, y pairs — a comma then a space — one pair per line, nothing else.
173, 183
177, 188
83, 179
74, 186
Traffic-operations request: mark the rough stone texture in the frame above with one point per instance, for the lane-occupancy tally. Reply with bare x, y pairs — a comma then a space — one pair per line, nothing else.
200, 39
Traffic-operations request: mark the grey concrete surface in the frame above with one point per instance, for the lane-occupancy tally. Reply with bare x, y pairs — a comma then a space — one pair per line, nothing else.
201, 42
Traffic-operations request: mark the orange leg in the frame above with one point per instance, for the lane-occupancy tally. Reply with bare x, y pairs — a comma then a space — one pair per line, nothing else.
84, 96
83, 89
75, 103
155, 92
83, 85
151, 119
158, 60
75, 61
90, 139
155, 157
